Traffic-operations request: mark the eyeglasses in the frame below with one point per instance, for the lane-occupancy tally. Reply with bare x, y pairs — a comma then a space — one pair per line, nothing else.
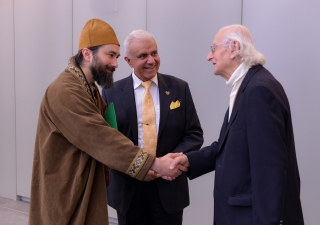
213, 47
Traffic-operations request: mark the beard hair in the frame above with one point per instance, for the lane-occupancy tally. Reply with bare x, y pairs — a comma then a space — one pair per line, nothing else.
100, 74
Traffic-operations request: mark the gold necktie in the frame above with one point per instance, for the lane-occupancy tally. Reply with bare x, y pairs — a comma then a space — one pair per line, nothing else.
149, 120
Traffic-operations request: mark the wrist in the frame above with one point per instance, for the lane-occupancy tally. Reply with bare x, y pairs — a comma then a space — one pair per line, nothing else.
155, 165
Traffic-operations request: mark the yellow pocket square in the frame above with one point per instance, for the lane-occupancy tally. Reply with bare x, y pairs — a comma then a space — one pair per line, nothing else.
175, 105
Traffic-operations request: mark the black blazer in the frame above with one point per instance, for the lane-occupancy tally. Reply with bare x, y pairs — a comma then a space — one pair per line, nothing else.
179, 131
256, 173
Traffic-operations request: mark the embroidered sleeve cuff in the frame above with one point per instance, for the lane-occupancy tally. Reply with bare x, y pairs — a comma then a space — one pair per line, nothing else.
140, 165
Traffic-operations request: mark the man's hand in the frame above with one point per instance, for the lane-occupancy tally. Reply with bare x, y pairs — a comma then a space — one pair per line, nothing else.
162, 166
151, 175
181, 160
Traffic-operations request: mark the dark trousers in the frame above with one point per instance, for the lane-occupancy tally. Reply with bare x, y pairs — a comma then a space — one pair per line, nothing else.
146, 208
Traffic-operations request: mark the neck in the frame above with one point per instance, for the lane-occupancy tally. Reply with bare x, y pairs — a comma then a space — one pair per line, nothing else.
86, 71
232, 69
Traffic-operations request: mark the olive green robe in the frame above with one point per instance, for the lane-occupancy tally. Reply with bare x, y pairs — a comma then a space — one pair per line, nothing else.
74, 148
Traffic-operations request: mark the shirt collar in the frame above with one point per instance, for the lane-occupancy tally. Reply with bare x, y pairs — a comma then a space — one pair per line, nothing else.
137, 82
237, 74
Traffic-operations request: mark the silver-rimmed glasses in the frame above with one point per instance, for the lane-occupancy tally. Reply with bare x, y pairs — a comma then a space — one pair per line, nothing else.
213, 47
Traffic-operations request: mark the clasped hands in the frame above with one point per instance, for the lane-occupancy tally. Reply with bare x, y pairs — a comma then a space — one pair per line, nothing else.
168, 167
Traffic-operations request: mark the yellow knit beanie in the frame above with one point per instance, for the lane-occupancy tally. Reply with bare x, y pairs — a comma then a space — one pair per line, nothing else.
97, 32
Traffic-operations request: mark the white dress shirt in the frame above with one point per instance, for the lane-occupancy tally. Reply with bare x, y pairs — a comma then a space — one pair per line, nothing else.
138, 93
235, 81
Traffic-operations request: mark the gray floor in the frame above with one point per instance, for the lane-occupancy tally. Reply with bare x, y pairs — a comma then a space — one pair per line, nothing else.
17, 212
13, 212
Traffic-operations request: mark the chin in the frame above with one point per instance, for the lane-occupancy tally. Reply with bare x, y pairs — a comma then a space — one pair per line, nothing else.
149, 75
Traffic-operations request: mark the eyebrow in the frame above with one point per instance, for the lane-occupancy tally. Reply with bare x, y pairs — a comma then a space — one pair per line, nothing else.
113, 52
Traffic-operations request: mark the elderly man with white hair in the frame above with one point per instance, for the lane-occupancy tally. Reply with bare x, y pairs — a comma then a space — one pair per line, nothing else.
256, 173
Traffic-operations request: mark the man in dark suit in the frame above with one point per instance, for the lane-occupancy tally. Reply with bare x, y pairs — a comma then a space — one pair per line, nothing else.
256, 174
155, 201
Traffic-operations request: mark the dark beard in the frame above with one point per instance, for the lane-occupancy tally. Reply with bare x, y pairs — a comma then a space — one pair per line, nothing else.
100, 75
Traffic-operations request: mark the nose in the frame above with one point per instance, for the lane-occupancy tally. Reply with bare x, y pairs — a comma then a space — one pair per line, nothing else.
115, 63
209, 56
150, 59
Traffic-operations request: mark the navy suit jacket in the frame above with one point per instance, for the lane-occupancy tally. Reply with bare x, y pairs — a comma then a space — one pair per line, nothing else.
256, 174
179, 131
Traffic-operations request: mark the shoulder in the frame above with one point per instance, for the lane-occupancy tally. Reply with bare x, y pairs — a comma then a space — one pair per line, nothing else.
120, 85
67, 90
263, 86
66, 76
66, 82
123, 80
263, 79
171, 79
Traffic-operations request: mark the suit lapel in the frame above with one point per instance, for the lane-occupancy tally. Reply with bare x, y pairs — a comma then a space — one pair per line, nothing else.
165, 95
237, 103
223, 131
129, 105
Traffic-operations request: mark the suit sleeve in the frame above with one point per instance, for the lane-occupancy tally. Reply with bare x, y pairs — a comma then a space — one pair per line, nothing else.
267, 151
202, 161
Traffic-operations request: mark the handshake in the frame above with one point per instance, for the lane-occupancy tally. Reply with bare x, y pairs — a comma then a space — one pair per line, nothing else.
168, 167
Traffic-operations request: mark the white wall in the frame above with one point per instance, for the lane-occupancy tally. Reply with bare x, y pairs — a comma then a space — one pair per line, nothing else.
43, 45
7, 102
39, 36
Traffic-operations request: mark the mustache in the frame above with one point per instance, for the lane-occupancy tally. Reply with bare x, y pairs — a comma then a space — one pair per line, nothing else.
111, 68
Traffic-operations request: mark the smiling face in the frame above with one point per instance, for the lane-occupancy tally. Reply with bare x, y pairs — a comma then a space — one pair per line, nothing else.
222, 57
103, 64
143, 58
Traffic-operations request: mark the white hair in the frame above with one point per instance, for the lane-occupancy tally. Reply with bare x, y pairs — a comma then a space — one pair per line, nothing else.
136, 34
247, 53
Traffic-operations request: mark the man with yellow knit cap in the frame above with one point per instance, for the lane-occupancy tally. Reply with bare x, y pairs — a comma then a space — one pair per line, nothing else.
75, 147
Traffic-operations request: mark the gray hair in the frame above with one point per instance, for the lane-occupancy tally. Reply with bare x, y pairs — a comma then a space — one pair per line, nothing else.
247, 53
136, 34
